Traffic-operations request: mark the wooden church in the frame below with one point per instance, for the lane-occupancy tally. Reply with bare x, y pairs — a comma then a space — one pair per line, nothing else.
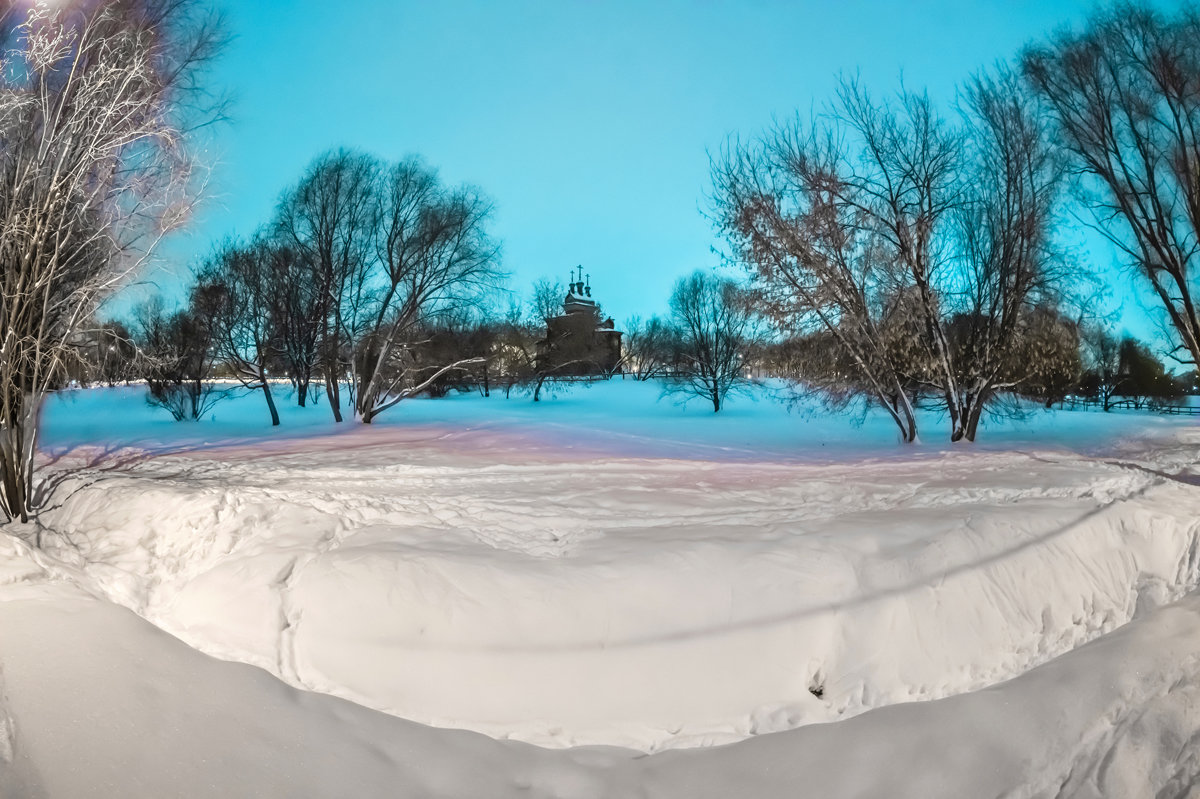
578, 342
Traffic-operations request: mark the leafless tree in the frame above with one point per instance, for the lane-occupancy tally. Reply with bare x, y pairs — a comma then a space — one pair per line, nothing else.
1006, 265
515, 353
1125, 95
434, 253
1101, 352
652, 348
1047, 359
547, 299
837, 220
536, 352
914, 244
241, 280
330, 219
177, 356
108, 353
715, 327
94, 101
297, 312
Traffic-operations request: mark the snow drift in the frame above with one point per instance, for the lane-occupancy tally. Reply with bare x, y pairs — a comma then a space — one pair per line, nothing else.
577, 575
143, 716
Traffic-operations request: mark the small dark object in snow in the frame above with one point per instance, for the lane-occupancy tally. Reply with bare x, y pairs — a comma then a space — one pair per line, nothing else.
817, 690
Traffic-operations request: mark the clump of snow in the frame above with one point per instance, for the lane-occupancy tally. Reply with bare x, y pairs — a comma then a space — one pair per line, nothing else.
603, 568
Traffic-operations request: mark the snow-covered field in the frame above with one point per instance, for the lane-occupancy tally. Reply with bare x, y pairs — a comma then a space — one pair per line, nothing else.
603, 570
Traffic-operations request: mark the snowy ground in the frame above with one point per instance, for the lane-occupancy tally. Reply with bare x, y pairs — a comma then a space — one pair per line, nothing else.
603, 568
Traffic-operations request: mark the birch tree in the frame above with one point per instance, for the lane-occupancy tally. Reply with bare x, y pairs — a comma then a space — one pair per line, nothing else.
94, 101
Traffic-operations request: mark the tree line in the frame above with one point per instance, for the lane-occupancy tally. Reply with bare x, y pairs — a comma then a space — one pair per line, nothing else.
347, 289
252, 318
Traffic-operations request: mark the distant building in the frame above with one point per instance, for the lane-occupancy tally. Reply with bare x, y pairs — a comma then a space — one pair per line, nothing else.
578, 342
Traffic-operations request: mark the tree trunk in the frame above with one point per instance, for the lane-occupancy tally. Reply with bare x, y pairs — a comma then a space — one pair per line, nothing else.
16, 503
16, 463
973, 416
331, 391
195, 392
956, 417
266, 387
368, 377
908, 430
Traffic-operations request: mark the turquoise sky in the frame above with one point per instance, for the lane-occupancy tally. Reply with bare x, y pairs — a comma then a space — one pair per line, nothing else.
588, 123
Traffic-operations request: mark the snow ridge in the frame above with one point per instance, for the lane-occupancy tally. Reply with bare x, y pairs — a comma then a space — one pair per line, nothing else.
814, 593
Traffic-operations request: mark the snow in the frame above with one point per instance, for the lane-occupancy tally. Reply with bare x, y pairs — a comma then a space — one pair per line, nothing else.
145, 716
619, 418
598, 570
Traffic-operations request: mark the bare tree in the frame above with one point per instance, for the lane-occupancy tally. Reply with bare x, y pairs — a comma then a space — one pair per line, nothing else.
1125, 95
533, 353
464, 335
177, 356
515, 354
297, 312
330, 219
715, 328
1006, 266
651, 348
434, 253
1102, 365
242, 279
109, 354
94, 99
1048, 356
837, 221
546, 300
914, 244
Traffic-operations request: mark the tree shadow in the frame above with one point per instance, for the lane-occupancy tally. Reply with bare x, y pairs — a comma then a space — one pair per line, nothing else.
67, 471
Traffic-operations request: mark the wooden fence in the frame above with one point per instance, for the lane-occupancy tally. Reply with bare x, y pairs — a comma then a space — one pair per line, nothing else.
1129, 405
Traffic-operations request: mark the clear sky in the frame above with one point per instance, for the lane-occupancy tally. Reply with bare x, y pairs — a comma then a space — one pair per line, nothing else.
588, 123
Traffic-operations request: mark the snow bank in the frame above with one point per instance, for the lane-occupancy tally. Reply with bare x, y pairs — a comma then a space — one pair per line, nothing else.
607, 569
143, 716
